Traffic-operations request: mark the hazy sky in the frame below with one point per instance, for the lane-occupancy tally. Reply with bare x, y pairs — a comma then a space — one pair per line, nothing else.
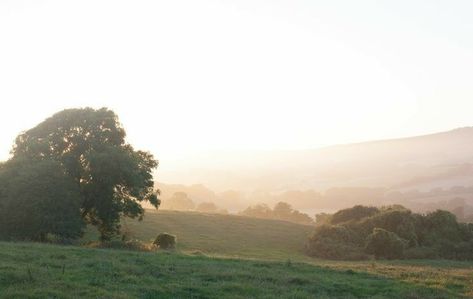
199, 75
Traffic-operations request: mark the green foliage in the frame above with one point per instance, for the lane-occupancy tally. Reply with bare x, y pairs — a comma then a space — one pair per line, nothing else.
90, 144
385, 244
391, 230
394, 219
442, 225
38, 201
165, 241
334, 242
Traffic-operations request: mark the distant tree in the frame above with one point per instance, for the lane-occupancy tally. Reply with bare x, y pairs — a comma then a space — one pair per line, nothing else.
258, 211
207, 207
179, 201
301, 218
38, 199
322, 218
90, 144
282, 210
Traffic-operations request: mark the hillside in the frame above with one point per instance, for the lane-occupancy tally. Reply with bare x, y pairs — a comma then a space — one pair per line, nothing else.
223, 235
423, 162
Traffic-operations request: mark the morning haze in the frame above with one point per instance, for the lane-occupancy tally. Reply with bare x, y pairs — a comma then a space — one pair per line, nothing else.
236, 149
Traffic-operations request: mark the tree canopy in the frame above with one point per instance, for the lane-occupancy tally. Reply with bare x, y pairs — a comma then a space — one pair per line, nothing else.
113, 178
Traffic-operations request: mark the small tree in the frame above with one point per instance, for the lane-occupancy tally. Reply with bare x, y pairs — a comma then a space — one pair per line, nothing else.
282, 210
165, 241
385, 244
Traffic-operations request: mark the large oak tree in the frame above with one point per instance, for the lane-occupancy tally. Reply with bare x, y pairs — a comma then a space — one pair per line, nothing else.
113, 178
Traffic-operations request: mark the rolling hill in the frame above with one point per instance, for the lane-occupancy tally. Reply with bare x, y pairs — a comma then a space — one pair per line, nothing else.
424, 162
222, 235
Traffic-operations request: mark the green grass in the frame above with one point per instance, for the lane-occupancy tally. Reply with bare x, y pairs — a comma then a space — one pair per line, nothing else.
219, 256
47, 271
223, 235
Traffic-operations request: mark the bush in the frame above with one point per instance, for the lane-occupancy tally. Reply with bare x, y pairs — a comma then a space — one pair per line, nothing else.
334, 242
165, 241
385, 244
391, 232
399, 221
441, 225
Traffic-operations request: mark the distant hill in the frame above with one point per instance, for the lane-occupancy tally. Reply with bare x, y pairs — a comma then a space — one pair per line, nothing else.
425, 162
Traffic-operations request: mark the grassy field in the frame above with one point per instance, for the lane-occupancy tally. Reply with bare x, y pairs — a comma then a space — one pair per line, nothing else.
47, 271
225, 235
219, 256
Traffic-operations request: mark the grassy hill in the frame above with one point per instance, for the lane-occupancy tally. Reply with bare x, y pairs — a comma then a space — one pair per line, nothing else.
223, 235
218, 256
46, 271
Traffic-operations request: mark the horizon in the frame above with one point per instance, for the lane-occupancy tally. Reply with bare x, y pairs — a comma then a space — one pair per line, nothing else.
280, 76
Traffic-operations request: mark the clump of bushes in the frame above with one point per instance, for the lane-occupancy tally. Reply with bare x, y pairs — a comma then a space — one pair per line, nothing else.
165, 241
392, 232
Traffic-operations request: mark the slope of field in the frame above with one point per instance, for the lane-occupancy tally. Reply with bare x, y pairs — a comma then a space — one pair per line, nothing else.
224, 235
46, 271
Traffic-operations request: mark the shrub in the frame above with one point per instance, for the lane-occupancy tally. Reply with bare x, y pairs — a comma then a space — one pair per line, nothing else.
399, 221
165, 241
441, 225
334, 242
385, 244
391, 232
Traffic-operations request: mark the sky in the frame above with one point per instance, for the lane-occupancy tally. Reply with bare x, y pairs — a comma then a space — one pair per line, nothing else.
190, 76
